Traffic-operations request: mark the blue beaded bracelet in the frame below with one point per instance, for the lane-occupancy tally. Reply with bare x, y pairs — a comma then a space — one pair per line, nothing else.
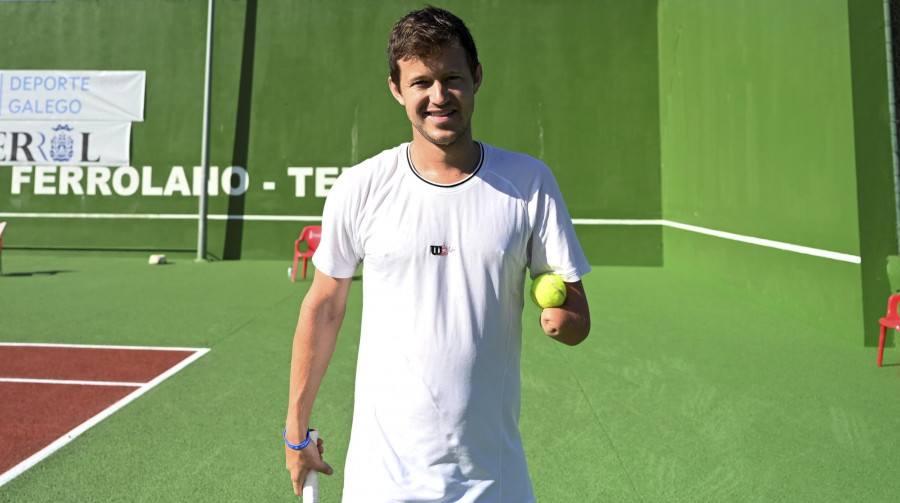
301, 445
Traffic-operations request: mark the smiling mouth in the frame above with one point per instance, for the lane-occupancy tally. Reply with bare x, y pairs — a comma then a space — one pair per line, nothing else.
440, 114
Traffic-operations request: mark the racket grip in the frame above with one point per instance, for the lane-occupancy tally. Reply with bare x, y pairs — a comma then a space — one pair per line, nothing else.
311, 485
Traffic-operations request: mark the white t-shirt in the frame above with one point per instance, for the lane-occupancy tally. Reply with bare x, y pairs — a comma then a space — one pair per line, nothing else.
438, 386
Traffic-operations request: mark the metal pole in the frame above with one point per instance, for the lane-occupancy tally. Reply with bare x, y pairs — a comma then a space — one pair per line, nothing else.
893, 110
204, 155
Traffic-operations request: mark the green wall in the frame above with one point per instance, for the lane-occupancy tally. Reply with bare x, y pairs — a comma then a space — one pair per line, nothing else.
763, 134
757, 119
874, 176
114, 36
761, 118
304, 84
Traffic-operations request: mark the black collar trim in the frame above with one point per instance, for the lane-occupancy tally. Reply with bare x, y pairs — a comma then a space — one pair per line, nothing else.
457, 184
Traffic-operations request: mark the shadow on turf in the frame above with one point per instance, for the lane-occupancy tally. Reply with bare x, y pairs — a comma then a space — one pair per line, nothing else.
35, 273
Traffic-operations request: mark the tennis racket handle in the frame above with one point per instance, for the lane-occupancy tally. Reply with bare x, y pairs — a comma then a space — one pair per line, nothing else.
311, 486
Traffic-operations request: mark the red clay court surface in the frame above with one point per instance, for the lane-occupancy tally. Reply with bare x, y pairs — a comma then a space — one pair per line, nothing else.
50, 394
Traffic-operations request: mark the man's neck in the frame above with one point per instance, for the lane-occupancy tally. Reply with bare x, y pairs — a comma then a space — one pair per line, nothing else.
445, 164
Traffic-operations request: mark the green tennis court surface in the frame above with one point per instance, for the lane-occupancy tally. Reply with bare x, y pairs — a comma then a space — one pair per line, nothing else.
685, 391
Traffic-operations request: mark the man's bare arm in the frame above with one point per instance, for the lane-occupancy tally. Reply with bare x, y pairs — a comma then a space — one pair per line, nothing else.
569, 323
321, 315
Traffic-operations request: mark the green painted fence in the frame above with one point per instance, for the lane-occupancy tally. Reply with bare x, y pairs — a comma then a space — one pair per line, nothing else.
663, 120
774, 125
300, 91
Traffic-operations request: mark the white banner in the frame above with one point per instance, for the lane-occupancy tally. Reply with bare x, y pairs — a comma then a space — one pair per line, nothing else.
72, 95
44, 143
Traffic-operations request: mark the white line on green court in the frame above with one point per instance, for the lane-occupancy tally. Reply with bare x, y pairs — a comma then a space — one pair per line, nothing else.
805, 250
164, 216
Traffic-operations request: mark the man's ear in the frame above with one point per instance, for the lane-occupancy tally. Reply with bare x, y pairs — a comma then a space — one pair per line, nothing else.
395, 90
478, 75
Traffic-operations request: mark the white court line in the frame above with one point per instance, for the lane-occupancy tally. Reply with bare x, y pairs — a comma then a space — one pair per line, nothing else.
616, 221
73, 382
68, 437
768, 243
805, 250
98, 346
843, 257
166, 216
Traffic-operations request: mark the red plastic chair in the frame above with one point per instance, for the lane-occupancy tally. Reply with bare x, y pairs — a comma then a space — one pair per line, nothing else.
892, 320
311, 235
2, 226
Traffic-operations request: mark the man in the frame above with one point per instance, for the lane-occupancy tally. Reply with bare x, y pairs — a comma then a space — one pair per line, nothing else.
447, 227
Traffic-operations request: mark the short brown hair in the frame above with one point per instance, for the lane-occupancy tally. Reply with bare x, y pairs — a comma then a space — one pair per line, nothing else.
421, 34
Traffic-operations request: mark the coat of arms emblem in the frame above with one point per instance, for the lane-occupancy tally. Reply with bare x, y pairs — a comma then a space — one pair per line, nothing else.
62, 147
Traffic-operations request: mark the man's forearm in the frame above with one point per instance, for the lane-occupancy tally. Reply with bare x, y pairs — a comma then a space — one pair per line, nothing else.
571, 322
314, 342
568, 327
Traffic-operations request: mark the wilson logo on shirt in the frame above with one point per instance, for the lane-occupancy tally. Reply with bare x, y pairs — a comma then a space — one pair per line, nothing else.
440, 250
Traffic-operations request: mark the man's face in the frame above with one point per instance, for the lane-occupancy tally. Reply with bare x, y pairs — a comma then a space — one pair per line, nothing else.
439, 95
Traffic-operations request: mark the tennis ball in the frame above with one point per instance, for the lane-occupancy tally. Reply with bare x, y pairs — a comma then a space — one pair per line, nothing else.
548, 290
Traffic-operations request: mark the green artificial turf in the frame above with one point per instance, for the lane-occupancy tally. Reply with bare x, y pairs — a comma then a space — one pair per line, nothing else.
685, 391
